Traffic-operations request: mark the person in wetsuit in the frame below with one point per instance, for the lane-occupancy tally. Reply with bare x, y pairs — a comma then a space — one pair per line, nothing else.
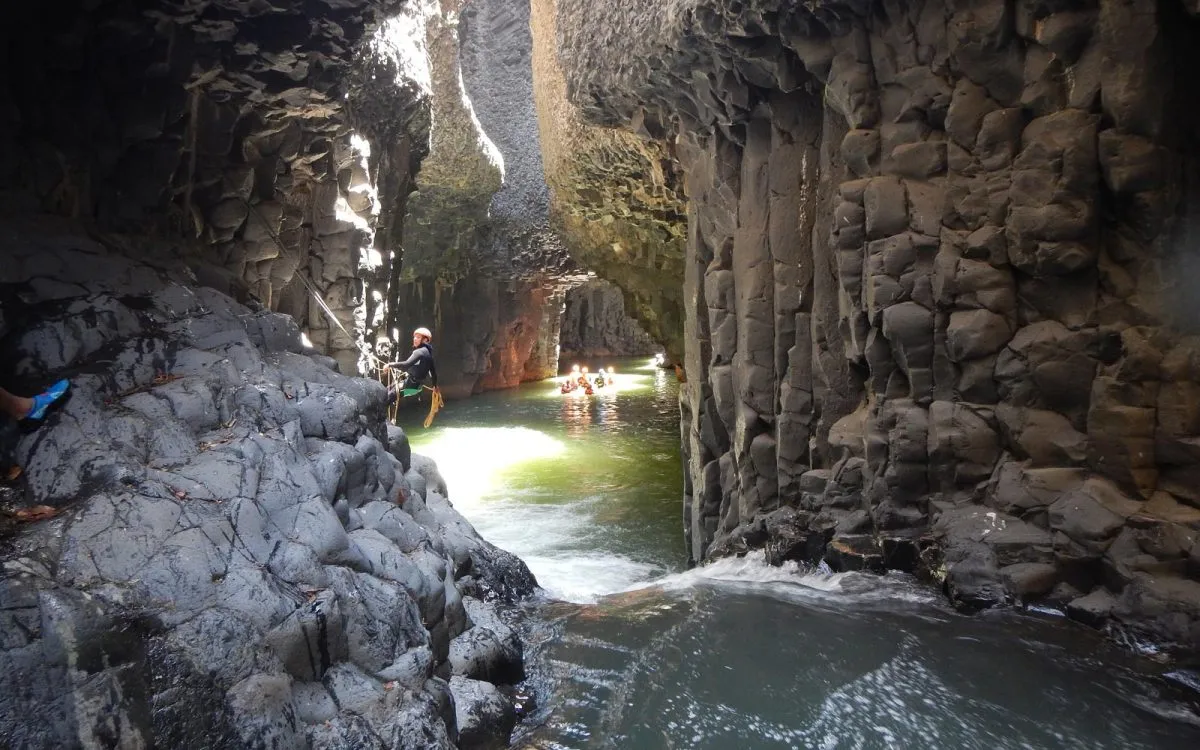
417, 368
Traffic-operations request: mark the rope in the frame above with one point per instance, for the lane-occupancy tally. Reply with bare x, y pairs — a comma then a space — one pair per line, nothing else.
312, 288
435, 403
393, 409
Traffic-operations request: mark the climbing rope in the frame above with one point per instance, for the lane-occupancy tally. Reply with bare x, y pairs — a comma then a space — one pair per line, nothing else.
435, 403
312, 287
385, 375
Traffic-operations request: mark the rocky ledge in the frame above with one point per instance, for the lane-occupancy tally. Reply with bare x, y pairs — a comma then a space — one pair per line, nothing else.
243, 552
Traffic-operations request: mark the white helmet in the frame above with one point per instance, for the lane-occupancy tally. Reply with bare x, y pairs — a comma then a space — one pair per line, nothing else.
423, 332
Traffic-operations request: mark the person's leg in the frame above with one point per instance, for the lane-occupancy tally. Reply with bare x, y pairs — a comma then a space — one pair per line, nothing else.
19, 407
16, 407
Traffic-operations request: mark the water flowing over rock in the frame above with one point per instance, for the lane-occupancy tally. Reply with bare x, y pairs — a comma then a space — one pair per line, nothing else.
245, 554
937, 302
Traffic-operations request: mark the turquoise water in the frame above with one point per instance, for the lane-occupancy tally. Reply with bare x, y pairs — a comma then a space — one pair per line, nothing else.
630, 650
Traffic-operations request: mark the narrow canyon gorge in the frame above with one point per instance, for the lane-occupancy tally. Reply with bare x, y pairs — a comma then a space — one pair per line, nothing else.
927, 275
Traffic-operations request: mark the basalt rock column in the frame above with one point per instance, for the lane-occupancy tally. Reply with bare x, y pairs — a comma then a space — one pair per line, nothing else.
481, 267
616, 197
231, 127
595, 324
931, 286
242, 552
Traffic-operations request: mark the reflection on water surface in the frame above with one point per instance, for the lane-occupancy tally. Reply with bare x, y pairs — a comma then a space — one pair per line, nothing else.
638, 652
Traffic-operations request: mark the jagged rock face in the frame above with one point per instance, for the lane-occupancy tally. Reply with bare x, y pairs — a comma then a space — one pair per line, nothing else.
228, 124
497, 76
448, 213
935, 290
616, 197
488, 333
594, 324
245, 554
482, 268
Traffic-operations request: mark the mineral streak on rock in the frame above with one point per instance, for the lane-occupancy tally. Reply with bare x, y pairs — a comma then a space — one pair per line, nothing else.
246, 554
938, 291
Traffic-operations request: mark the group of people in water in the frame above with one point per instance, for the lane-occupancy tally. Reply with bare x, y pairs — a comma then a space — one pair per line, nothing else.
580, 380
419, 368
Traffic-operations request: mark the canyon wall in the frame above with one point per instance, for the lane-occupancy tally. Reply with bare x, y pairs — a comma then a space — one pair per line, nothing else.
215, 540
276, 143
616, 197
937, 286
482, 267
279, 146
595, 324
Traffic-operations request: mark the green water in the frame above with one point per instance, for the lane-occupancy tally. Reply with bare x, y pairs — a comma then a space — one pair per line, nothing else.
586, 489
630, 650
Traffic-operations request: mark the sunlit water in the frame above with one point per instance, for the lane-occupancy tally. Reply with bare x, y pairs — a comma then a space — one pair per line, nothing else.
630, 650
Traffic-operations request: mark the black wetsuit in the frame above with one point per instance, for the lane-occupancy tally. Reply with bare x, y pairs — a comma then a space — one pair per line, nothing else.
419, 366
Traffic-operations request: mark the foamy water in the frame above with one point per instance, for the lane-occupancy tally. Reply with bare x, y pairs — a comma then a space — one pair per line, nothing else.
558, 541
737, 653
795, 582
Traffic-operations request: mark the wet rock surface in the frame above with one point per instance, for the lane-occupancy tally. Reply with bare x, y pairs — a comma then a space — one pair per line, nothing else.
936, 287
243, 554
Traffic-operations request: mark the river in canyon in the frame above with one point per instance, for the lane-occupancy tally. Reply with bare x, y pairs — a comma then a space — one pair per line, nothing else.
629, 649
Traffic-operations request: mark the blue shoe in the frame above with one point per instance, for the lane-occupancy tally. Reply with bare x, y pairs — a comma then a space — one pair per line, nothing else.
42, 401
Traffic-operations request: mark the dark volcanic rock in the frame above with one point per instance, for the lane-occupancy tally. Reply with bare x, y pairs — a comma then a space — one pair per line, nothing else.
243, 556
595, 324
950, 244
482, 268
277, 141
616, 197
486, 716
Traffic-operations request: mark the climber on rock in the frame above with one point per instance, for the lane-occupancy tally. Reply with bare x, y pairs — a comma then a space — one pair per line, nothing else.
416, 368
20, 407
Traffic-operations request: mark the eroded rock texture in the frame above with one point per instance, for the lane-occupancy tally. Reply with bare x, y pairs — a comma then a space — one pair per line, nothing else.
482, 268
245, 554
595, 324
937, 290
275, 139
616, 197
